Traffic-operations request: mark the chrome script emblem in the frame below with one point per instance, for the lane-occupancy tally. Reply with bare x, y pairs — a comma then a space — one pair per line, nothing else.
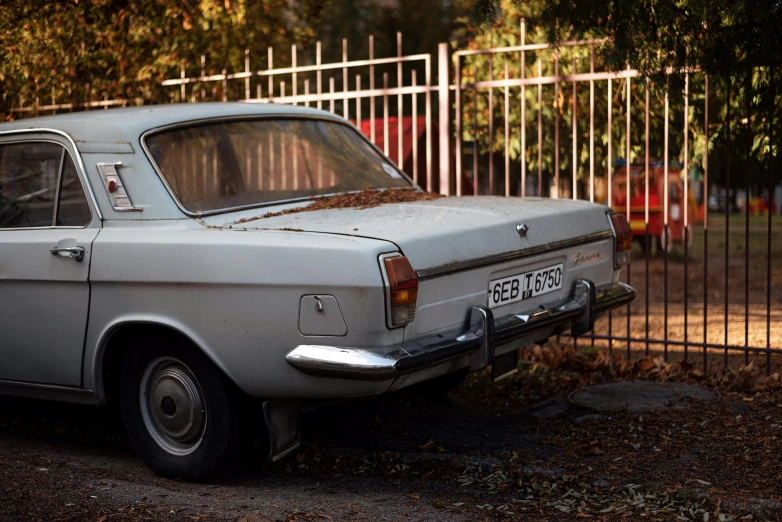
522, 229
586, 257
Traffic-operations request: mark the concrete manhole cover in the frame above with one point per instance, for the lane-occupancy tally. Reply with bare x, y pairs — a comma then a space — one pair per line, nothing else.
640, 396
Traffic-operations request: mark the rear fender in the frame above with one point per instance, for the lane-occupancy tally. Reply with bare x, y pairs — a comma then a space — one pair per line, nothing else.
94, 361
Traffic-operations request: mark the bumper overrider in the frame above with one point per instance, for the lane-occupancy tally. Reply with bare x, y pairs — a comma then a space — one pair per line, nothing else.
480, 339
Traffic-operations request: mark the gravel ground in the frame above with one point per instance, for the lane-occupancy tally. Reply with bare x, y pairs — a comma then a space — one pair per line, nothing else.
517, 450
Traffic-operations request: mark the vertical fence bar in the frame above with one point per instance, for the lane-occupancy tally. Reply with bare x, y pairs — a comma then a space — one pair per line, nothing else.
331, 91
318, 75
294, 82
372, 88
770, 119
592, 125
727, 215
705, 219
475, 134
272, 163
686, 210
666, 229
283, 155
385, 114
182, 93
414, 82
443, 96
556, 124
491, 127
610, 181
345, 104
646, 208
203, 73
507, 133
307, 92
748, 103
258, 160
428, 100
258, 90
225, 85
358, 101
627, 189
575, 141
540, 130
399, 101
523, 67
247, 70
270, 66
458, 130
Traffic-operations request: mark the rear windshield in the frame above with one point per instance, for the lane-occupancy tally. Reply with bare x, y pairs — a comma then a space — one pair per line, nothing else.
231, 164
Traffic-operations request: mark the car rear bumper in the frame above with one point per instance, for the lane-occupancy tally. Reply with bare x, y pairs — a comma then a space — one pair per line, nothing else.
484, 334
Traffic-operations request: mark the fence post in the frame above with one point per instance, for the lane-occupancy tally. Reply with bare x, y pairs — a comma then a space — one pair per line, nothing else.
444, 118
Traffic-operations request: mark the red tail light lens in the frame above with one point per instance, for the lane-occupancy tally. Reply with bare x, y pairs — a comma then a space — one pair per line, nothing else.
623, 240
403, 287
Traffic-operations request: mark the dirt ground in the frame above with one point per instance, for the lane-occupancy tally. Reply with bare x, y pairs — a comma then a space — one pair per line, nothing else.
518, 450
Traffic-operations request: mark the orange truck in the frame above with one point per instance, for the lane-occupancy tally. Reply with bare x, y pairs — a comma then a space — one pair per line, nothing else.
638, 203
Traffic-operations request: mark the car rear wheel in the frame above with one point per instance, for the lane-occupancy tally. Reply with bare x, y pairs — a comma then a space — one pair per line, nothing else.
182, 414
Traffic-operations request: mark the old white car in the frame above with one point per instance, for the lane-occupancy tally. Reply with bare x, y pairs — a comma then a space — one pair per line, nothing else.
210, 263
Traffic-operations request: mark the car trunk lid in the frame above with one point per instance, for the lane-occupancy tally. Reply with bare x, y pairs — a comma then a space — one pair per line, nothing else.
447, 234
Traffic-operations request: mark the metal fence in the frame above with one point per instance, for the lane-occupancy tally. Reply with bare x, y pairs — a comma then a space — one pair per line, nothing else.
561, 124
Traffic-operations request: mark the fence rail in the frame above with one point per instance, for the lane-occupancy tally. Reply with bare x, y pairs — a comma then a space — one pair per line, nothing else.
553, 139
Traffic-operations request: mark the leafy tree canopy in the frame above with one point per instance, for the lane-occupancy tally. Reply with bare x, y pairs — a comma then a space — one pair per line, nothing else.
123, 48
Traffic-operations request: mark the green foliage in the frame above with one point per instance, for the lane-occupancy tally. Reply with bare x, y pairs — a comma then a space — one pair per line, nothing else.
122, 49
732, 41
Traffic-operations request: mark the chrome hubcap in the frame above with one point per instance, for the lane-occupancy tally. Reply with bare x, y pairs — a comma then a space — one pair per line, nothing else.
173, 406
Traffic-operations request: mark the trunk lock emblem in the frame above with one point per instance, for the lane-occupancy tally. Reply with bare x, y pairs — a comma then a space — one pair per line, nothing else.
522, 229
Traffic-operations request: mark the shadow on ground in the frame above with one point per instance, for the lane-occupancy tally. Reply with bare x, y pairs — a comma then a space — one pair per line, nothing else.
513, 450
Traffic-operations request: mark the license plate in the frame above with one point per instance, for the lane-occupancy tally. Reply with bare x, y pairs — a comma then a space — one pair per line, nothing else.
524, 286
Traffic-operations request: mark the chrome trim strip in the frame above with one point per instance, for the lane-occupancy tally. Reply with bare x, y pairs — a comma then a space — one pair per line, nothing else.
103, 169
49, 392
243, 117
79, 162
479, 339
461, 266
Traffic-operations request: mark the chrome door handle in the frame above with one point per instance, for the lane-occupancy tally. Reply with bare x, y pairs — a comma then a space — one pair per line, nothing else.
76, 253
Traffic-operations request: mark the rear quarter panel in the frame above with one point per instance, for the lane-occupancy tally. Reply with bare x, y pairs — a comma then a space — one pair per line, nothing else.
236, 294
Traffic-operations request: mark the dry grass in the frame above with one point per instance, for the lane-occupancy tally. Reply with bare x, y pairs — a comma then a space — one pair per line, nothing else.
754, 310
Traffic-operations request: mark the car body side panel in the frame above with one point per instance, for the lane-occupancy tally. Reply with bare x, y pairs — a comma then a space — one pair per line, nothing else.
236, 295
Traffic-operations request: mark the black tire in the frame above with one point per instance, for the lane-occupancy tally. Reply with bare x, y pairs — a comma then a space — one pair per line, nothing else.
440, 386
211, 444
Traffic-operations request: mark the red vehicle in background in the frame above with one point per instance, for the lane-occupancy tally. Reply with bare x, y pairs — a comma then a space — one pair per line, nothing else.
656, 203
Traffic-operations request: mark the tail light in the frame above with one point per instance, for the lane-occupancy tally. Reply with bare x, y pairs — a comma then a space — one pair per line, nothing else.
403, 290
623, 240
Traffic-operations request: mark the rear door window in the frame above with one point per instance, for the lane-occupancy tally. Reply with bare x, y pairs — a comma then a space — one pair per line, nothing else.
32, 175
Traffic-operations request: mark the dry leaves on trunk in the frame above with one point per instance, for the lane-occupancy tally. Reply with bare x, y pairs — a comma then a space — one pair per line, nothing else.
365, 199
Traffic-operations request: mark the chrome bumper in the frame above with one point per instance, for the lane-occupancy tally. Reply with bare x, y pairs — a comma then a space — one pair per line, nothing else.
484, 333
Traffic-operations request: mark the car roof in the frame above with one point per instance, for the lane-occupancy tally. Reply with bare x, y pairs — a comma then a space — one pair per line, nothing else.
99, 129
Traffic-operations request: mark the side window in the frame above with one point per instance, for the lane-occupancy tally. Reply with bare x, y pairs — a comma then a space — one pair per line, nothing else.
73, 209
29, 173
28, 183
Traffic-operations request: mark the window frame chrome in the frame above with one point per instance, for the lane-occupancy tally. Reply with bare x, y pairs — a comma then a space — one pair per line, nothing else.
75, 157
252, 117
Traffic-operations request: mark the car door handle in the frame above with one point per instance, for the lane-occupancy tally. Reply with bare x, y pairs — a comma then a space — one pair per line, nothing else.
76, 253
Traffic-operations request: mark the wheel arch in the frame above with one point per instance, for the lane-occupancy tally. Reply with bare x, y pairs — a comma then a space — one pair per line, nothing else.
118, 339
